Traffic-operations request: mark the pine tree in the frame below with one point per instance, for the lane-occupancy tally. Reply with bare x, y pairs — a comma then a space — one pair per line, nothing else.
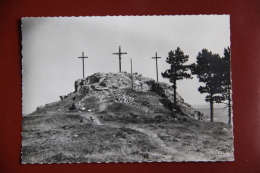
209, 71
178, 70
226, 81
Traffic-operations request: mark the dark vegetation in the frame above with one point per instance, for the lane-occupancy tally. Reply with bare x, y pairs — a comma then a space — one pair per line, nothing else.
214, 71
178, 70
210, 69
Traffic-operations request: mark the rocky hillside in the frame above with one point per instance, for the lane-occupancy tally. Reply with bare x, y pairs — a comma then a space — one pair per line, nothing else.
116, 85
104, 120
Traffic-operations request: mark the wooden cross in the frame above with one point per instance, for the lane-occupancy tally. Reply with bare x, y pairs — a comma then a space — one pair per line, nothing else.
156, 64
119, 54
83, 62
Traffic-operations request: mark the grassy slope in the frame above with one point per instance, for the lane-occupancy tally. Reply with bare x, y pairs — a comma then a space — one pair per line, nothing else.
143, 131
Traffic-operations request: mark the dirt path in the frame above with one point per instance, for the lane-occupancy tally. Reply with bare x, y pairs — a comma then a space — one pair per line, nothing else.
152, 135
155, 138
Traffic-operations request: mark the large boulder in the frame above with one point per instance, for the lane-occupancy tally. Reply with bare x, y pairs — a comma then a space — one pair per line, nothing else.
105, 83
114, 81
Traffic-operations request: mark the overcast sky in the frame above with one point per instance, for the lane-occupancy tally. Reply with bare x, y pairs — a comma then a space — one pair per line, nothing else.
51, 47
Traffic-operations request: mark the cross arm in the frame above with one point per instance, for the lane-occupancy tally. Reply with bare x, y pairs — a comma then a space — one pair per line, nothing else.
120, 53
156, 57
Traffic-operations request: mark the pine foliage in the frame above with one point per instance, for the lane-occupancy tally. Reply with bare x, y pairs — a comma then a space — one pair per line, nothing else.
178, 70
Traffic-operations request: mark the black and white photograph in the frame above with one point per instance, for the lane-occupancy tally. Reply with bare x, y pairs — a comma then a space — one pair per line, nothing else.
126, 89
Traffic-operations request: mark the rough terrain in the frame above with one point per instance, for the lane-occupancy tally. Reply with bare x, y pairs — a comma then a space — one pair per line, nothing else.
104, 120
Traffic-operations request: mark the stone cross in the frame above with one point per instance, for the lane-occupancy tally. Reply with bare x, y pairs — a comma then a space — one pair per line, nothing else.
119, 54
156, 64
83, 62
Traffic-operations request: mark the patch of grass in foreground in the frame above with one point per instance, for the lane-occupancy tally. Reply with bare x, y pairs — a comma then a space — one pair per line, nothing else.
87, 143
197, 141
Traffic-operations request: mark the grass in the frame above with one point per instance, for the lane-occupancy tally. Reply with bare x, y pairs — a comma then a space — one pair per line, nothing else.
85, 141
126, 133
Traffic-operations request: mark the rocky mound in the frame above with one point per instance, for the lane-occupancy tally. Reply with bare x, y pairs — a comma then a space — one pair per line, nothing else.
114, 84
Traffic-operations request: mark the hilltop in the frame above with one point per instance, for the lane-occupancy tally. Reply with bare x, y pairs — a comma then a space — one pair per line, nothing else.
104, 120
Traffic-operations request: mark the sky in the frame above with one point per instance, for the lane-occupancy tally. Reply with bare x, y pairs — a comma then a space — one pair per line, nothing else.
51, 47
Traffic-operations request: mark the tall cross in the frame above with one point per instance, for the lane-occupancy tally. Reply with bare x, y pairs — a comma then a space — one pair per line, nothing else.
83, 62
119, 54
156, 64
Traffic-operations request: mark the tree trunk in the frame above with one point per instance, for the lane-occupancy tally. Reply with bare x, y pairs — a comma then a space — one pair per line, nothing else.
211, 109
175, 99
229, 105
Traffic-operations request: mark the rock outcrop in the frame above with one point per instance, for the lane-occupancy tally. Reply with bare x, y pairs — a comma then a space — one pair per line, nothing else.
114, 81
106, 83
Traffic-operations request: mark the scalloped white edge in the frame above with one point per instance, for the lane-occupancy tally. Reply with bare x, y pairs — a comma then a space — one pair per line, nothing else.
160, 161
